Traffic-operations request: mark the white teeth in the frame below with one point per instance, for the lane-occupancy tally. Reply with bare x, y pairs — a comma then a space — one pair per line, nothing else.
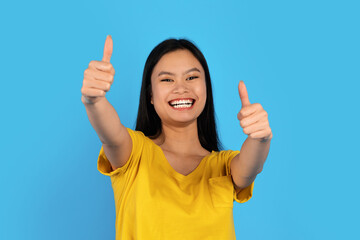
178, 103
186, 105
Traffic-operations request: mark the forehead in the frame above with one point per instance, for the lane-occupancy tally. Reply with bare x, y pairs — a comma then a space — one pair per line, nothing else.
177, 62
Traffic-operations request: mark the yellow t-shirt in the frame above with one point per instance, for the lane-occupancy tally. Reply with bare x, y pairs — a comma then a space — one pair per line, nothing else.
153, 201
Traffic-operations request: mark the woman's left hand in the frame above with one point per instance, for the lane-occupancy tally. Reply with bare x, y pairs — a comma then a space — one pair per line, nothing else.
253, 118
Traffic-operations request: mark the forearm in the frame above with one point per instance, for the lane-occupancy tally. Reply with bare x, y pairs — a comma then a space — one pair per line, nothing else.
250, 161
105, 121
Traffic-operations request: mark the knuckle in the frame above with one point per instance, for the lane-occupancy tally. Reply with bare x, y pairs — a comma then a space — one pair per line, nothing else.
242, 124
107, 66
95, 64
86, 81
109, 77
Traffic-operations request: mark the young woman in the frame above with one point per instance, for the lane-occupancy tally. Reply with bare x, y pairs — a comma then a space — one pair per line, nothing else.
169, 178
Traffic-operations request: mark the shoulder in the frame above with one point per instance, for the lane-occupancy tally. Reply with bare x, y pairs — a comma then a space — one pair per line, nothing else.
222, 160
224, 155
141, 144
135, 133
138, 137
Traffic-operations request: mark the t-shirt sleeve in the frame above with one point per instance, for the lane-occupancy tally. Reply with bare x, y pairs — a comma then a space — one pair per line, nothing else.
104, 166
245, 194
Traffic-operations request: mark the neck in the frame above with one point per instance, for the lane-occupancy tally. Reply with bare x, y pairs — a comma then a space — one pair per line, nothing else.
180, 140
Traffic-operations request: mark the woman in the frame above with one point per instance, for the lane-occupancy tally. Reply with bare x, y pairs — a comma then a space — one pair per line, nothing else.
169, 178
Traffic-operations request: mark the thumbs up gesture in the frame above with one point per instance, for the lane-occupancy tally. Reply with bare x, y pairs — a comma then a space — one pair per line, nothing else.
99, 76
253, 118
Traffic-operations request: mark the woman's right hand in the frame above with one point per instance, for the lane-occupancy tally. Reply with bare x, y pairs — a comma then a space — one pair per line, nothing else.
99, 76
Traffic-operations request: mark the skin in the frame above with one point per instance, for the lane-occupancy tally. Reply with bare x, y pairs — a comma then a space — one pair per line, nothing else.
98, 78
254, 121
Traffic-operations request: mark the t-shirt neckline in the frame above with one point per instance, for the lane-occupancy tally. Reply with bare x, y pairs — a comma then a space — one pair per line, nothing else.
178, 175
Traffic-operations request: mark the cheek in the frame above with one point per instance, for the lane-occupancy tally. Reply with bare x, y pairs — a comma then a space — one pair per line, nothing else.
202, 92
158, 96
154, 94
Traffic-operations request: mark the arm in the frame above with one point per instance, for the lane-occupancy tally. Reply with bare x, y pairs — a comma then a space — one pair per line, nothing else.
105, 121
115, 138
250, 161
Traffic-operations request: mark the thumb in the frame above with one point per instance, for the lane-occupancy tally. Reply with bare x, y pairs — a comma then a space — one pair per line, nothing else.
243, 94
108, 48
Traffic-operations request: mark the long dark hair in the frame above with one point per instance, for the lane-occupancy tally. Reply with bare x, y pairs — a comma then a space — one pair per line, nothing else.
148, 120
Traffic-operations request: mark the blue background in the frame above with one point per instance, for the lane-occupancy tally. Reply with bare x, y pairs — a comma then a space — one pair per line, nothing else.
299, 59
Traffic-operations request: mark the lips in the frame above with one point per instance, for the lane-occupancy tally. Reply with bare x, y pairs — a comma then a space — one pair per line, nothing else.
182, 103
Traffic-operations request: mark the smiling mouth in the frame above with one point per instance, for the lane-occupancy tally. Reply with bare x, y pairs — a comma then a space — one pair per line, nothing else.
182, 103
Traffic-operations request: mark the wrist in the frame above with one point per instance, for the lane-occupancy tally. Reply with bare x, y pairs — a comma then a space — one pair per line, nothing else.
89, 100
266, 139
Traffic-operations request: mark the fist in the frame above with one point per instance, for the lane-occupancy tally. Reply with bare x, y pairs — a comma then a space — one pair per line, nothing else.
99, 76
253, 118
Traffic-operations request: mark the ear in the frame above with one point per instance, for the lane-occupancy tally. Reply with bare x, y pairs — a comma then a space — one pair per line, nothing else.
151, 99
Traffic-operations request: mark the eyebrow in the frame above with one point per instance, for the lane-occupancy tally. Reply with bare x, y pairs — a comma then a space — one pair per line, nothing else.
169, 73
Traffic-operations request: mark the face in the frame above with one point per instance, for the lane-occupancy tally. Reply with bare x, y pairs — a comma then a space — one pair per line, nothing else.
178, 88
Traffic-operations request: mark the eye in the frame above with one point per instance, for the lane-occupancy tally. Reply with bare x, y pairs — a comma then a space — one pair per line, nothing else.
192, 77
166, 80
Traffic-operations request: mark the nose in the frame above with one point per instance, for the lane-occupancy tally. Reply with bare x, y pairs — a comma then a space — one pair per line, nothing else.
180, 88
